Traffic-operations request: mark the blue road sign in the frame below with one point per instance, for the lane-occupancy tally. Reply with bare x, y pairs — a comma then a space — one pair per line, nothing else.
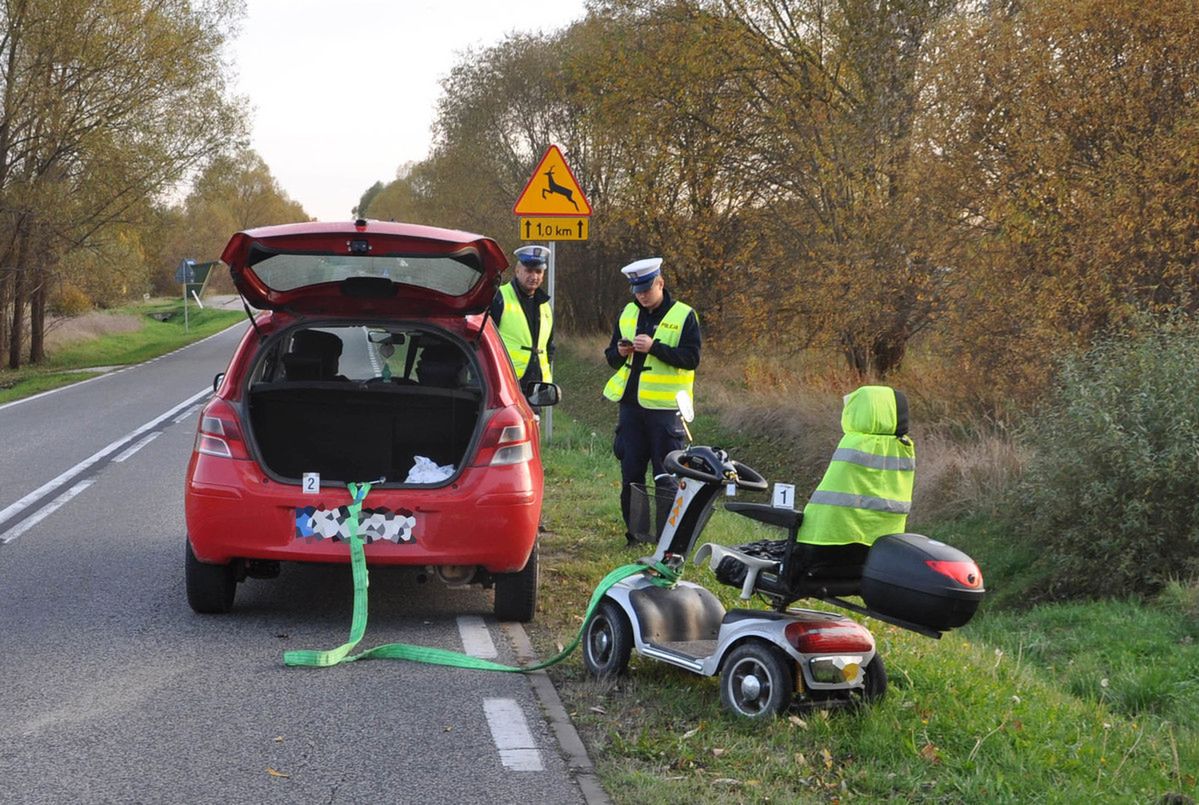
186, 271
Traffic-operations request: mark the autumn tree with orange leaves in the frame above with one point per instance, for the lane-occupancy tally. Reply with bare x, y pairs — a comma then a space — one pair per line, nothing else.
998, 182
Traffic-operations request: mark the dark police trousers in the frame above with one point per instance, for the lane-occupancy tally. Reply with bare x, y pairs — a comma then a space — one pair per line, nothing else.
645, 436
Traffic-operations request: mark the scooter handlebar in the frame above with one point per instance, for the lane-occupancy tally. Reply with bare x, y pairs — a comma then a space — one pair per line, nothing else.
708, 466
698, 466
748, 477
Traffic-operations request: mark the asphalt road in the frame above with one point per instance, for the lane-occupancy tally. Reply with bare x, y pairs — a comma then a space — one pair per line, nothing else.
112, 690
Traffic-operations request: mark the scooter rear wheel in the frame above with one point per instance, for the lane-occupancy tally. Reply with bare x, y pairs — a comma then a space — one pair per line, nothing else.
608, 641
875, 682
757, 681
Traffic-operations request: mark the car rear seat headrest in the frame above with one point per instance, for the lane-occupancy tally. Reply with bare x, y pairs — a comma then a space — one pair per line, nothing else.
440, 365
318, 345
302, 367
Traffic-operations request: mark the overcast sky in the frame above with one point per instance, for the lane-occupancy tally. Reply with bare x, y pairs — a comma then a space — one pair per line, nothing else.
344, 91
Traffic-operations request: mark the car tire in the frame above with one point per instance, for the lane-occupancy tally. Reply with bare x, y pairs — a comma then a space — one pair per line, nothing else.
210, 588
607, 641
516, 593
757, 680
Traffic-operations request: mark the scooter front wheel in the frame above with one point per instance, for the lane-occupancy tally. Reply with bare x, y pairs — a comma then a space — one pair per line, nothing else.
758, 680
608, 641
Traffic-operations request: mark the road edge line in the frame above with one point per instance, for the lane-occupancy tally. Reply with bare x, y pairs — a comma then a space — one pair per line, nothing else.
575, 752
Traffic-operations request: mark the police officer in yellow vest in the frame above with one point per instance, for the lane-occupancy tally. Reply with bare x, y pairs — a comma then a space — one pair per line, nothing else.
655, 351
521, 310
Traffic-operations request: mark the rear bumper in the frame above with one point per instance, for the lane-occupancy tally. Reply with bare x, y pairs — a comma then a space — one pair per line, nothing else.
487, 517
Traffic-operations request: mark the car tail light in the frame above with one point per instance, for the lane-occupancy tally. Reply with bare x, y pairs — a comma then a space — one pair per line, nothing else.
220, 433
828, 636
506, 440
966, 574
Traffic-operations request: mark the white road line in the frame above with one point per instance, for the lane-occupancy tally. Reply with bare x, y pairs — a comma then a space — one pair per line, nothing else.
53, 484
511, 735
44, 512
186, 414
110, 374
372, 354
137, 446
476, 639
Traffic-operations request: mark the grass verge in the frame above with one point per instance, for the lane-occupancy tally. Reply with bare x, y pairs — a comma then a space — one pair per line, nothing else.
1060, 703
161, 331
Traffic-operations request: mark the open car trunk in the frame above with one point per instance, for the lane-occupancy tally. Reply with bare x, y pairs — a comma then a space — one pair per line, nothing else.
376, 415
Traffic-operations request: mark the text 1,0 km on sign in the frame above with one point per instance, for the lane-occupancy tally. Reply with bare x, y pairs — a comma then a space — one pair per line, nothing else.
553, 228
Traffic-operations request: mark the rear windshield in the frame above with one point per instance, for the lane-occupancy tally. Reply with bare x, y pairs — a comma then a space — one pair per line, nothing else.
452, 276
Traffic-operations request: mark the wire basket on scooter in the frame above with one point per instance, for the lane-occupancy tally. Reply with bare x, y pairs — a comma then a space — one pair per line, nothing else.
649, 508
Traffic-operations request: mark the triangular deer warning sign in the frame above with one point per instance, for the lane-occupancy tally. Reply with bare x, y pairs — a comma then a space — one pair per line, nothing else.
553, 189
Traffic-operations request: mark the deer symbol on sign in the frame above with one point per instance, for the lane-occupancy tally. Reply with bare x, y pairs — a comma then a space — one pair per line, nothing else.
554, 187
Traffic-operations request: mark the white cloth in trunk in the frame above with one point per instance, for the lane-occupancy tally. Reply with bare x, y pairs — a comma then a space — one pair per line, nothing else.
426, 471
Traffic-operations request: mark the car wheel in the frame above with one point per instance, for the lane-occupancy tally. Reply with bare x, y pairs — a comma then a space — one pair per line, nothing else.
608, 641
210, 588
758, 680
516, 593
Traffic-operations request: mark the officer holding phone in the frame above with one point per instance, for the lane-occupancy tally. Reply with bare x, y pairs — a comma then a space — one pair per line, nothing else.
655, 351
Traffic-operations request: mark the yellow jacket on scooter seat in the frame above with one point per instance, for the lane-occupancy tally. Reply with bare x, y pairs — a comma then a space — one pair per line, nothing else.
866, 492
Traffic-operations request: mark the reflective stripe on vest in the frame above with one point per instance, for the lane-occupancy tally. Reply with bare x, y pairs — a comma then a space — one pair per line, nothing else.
659, 382
866, 492
861, 502
518, 340
873, 461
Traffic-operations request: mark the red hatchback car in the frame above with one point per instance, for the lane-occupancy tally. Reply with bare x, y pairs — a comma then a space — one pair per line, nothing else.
372, 360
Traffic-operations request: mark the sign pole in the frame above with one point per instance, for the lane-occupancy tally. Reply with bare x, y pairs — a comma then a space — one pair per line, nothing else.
548, 411
186, 328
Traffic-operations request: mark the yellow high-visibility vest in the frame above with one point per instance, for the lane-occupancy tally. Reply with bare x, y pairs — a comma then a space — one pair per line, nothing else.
659, 382
866, 493
514, 331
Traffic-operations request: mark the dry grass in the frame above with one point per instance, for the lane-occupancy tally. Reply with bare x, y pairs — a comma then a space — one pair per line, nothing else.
793, 404
956, 475
962, 466
88, 326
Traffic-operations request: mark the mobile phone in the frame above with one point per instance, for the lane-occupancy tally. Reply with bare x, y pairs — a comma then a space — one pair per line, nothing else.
624, 342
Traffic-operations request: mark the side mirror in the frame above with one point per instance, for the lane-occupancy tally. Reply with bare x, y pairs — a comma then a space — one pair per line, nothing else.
686, 411
541, 394
216, 381
686, 406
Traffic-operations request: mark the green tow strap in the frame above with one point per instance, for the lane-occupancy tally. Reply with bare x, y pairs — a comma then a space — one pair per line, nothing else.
438, 656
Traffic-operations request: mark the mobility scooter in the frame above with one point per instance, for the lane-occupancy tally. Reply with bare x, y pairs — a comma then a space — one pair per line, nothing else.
769, 659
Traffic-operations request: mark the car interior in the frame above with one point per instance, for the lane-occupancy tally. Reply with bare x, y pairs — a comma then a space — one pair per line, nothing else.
358, 403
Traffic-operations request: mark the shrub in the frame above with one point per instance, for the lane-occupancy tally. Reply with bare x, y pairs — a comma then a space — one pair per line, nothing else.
1181, 596
1111, 491
69, 301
